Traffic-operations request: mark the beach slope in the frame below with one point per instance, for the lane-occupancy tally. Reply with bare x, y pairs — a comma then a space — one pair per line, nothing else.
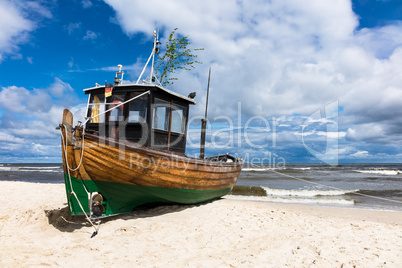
37, 230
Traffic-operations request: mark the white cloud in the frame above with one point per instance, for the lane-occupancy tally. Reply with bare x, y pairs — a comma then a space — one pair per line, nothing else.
28, 120
13, 28
327, 134
90, 35
369, 131
284, 57
6, 137
36, 7
86, 3
71, 62
72, 27
59, 88
276, 57
14, 98
42, 105
16, 24
360, 154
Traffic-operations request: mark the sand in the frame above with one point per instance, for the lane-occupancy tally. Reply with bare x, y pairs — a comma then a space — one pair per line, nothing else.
36, 230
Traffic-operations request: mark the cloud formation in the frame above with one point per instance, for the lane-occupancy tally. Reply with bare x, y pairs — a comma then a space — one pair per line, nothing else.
29, 121
16, 24
286, 57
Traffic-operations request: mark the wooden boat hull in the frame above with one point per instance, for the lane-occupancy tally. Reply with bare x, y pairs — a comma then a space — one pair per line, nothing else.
128, 175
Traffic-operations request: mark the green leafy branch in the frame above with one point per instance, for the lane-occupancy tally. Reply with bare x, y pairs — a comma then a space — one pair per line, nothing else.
176, 57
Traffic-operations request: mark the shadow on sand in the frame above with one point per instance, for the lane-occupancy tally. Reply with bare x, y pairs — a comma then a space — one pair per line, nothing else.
62, 220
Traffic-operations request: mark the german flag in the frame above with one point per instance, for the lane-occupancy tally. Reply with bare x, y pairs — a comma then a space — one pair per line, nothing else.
108, 90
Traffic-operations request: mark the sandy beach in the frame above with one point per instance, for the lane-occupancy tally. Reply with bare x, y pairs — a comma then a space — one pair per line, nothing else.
36, 230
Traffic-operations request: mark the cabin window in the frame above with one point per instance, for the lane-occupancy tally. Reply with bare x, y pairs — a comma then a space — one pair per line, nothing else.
138, 108
96, 107
161, 114
117, 113
178, 119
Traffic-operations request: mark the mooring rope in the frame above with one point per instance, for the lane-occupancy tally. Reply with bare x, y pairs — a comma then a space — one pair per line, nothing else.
323, 185
64, 145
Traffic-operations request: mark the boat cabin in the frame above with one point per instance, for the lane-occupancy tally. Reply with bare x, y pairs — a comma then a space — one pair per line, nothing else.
147, 114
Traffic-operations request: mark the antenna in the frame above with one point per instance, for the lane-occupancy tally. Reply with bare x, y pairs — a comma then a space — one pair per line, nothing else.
118, 80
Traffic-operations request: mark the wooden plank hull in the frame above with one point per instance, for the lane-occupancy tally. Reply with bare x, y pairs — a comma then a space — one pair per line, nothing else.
128, 175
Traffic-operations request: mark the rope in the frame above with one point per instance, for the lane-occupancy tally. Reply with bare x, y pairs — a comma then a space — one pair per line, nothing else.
330, 187
64, 145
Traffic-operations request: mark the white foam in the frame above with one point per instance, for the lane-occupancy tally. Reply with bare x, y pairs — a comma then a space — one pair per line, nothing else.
31, 169
39, 170
322, 201
267, 169
380, 171
8, 169
258, 169
39, 167
305, 193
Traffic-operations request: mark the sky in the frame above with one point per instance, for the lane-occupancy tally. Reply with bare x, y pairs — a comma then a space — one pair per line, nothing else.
292, 81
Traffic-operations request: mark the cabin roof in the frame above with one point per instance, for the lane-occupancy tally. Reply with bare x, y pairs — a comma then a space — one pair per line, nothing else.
191, 101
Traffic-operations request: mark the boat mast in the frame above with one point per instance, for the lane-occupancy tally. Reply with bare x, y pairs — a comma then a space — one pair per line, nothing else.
155, 50
153, 56
204, 122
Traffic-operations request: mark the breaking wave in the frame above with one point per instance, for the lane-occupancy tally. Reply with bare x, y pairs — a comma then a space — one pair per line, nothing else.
268, 169
258, 169
306, 193
31, 169
323, 201
380, 171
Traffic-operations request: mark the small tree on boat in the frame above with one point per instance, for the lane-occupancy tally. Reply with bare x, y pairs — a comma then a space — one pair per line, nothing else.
177, 56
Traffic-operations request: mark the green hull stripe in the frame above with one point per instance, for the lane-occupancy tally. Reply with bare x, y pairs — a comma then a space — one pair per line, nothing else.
120, 198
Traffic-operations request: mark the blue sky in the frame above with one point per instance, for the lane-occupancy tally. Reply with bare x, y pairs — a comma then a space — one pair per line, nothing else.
292, 81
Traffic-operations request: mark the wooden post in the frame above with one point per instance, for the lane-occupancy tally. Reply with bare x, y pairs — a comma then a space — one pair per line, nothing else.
204, 122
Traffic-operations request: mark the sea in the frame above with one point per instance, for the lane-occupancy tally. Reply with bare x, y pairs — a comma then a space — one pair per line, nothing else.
364, 186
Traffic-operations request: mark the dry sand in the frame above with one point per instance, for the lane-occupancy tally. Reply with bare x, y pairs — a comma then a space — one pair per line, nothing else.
36, 230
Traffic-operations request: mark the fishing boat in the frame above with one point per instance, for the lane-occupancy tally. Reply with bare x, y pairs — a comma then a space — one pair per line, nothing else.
130, 150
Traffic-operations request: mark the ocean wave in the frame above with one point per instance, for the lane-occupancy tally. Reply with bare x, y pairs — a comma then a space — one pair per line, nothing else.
380, 171
40, 167
41, 170
7, 168
258, 169
32, 169
322, 201
306, 193
268, 169
383, 193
